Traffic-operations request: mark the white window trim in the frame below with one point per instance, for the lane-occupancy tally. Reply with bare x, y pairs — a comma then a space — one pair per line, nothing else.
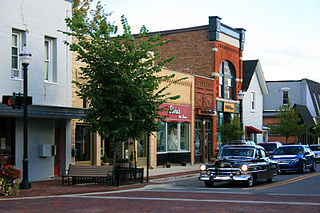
253, 102
49, 60
283, 91
178, 135
19, 45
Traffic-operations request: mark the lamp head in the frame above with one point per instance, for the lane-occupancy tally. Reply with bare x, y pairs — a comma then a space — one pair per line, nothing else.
240, 95
25, 55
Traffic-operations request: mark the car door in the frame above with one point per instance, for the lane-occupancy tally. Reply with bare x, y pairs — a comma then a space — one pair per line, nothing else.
263, 164
308, 156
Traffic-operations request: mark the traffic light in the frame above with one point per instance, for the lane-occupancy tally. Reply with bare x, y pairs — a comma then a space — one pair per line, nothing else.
15, 100
9, 100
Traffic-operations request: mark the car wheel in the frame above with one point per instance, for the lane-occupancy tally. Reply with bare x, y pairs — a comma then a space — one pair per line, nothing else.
313, 168
303, 168
250, 181
208, 183
270, 180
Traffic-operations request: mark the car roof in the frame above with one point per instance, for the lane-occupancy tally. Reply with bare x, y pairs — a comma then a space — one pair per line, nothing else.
242, 146
292, 145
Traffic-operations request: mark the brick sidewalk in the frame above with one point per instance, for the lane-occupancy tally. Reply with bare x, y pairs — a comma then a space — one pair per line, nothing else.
54, 187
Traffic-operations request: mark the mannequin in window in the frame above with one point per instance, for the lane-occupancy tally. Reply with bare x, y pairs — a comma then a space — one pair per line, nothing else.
173, 140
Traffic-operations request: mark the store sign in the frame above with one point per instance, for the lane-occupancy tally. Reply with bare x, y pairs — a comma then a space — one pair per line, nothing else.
229, 107
177, 113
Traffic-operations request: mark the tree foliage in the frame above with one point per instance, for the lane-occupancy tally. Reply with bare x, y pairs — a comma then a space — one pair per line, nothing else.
289, 123
231, 131
118, 78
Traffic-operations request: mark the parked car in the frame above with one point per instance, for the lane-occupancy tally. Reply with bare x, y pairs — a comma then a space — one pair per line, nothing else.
239, 163
271, 146
236, 142
294, 158
316, 150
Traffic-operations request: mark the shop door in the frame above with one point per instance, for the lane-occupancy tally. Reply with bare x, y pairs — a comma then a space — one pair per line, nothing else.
198, 141
57, 149
209, 147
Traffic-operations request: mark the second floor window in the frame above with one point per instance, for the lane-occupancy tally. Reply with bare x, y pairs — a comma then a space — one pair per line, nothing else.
253, 101
16, 46
226, 80
50, 74
285, 96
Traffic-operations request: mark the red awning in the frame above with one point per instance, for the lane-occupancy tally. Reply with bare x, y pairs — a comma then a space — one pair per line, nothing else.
252, 130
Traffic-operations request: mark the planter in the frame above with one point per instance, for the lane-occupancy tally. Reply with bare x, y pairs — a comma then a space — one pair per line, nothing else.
105, 164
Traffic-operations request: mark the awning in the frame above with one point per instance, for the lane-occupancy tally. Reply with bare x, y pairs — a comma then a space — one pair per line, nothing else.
252, 130
40, 111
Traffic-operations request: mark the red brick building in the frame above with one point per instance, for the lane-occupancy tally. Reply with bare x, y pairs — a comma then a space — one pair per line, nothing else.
213, 53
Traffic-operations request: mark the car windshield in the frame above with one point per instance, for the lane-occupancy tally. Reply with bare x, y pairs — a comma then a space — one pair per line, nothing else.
269, 147
294, 150
231, 152
315, 148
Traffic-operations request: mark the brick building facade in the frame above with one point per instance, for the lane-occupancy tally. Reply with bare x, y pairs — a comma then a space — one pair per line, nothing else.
213, 53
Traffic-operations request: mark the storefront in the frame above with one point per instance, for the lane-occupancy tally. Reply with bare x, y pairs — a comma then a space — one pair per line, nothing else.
226, 111
173, 137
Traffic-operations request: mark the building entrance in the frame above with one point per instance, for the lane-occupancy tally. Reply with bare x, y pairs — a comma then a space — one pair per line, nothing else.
203, 148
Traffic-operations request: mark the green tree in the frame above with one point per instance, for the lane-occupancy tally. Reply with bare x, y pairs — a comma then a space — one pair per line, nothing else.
231, 131
118, 80
315, 131
288, 124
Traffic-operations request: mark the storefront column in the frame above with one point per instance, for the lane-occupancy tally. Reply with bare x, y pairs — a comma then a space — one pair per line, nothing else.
203, 140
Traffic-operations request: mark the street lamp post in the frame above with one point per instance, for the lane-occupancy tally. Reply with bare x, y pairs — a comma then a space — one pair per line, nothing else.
240, 97
25, 58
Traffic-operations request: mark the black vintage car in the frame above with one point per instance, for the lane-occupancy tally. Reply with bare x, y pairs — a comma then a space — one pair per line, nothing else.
245, 163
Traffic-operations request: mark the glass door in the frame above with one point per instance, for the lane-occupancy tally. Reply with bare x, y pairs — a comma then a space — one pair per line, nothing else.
198, 141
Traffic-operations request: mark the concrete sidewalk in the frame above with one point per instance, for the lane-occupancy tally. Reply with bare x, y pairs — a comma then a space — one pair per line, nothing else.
54, 187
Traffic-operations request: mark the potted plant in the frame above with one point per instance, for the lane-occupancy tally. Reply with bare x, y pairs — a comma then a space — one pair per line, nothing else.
9, 180
168, 164
105, 160
131, 160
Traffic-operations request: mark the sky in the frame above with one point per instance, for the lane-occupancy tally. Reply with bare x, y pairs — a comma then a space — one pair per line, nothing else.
283, 34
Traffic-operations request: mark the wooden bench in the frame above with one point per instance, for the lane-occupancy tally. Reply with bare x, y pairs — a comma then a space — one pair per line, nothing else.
79, 174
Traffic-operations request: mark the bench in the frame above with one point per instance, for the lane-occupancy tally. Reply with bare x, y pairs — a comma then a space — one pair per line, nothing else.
79, 174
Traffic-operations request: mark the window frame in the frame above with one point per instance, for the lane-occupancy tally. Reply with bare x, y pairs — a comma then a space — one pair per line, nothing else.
226, 80
253, 101
166, 138
18, 47
285, 97
50, 73
88, 142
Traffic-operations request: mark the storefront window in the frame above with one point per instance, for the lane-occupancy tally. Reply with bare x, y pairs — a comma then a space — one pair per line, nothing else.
176, 134
82, 143
226, 80
172, 136
142, 147
184, 136
161, 134
7, 141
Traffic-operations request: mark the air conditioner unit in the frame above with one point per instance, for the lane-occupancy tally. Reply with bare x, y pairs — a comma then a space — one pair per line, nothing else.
15, 73
45, 150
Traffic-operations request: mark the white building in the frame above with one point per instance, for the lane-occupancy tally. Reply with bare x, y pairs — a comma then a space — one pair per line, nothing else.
254, 88
36, 23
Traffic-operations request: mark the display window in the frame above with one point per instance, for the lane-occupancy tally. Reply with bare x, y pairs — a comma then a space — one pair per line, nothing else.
173, 137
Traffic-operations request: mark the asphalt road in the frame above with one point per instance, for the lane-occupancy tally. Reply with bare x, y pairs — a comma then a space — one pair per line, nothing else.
288, 193
290, 183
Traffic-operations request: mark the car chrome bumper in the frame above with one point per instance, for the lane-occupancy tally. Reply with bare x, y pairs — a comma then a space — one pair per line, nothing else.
225, 178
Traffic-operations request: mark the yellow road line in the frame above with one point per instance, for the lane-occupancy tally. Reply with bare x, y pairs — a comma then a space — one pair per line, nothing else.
292, 180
